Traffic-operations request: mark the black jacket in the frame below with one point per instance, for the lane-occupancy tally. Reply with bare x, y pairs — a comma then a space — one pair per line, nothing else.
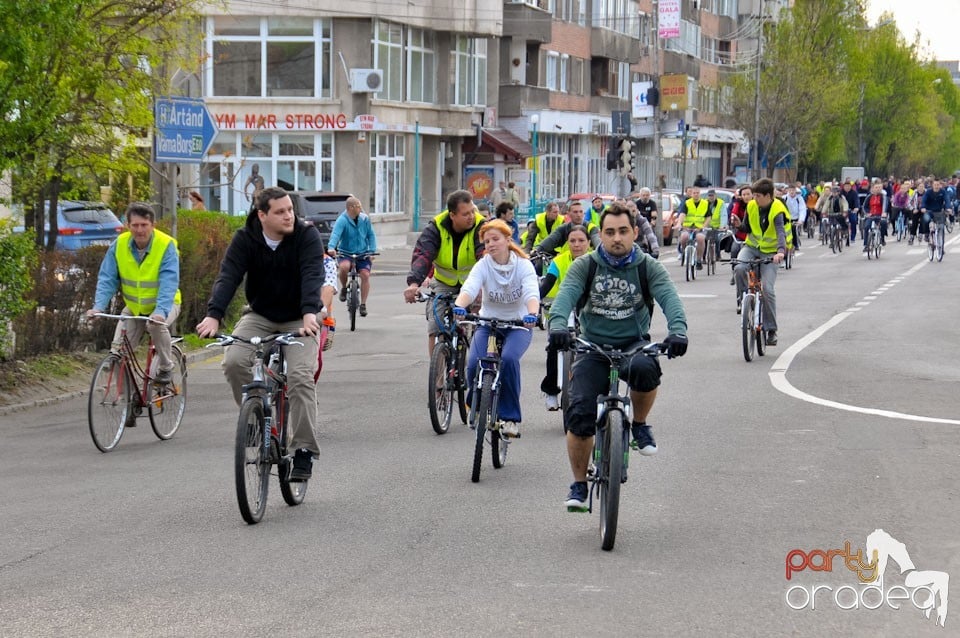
283, 284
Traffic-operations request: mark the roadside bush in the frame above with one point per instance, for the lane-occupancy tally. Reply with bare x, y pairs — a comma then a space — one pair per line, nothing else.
203, 237
18, 257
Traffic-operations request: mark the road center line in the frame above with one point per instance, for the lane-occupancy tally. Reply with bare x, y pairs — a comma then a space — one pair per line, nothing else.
778, 372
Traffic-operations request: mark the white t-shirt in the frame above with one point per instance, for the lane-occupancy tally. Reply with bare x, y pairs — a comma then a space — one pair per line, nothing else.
506, 288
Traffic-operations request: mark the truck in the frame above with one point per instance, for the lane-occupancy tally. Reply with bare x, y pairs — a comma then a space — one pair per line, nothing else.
851, 174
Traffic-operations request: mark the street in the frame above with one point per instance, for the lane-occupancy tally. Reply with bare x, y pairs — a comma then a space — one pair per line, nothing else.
851, 424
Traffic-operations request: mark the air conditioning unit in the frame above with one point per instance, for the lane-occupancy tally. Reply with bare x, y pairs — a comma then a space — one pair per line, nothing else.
366, 80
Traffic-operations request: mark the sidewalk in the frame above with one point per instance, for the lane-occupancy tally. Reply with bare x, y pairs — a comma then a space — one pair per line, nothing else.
392, 261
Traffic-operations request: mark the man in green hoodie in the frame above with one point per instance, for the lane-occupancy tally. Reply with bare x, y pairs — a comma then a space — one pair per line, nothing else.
616, 313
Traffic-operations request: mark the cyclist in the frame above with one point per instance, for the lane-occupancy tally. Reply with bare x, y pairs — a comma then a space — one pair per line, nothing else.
647, 206
738, 209
798, 212
144, 263
596, 209
875, 209
920, 191
578, 242
543, 224
508, 284
696, 215
505, 212
648, 243
934, 204
616, 313
853, 209
556, 241
767, 224
901, 201
353, 233
833, 205
450, 245
282, 260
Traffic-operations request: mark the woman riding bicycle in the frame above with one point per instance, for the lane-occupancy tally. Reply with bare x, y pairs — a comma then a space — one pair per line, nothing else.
508, 282
579, 243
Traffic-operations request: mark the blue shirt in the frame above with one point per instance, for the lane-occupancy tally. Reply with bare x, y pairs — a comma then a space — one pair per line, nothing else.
353, 236
108, 281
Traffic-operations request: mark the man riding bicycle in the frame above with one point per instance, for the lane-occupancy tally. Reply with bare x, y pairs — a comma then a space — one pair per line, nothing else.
697, 215
875, 209
615, 312
450, 245
353, 233
282, 260
145, 264
767, 225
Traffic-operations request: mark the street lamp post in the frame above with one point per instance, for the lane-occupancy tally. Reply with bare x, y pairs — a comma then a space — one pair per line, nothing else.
535, 121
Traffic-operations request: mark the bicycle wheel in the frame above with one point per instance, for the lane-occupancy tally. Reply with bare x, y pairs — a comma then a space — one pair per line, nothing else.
949, 225
870, 246
566, 379
901, 229
746, 325
460, 376
611, 473
498, 444
711, 257
251, 467
293, 491
110, 402
483, 420
940, 239
353, 302
439, 388
689, 262
931, 249
834, 241
759, 331
788, 259
168, 401
877, 246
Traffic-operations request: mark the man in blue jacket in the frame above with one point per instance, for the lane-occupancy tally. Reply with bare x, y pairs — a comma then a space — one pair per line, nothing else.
353, 233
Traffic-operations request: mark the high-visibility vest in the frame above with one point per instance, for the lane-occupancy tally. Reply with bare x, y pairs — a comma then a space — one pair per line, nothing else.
767, 241
695, 213
717, 213
542, 229
443, 268
140, 281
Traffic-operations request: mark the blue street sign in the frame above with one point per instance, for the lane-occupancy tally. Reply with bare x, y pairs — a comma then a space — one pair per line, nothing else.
680, 126
184, 130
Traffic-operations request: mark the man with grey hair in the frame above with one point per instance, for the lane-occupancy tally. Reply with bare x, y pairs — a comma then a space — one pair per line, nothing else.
352, 234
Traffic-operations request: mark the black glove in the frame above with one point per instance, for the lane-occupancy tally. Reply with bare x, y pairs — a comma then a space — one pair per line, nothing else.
559, 339
676, 345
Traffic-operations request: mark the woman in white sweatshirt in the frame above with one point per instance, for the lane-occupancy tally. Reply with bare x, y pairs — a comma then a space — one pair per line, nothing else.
508, 282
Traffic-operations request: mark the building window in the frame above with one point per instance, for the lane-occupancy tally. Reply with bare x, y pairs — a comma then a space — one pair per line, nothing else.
689, 40
269, 57
468, 70
564, 73
576, 77
726, 8
386, 173
622, 16
623, 81
553, 69
388, 57
571, 11
421, 58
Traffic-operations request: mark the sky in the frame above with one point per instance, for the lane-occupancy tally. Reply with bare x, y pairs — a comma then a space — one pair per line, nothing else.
936, 20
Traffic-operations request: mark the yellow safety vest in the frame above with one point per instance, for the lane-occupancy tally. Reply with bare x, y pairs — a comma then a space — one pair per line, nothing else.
594, 216
717, 211
140, 281
695, 214
443, 268
542, 230
767, 242
562, 261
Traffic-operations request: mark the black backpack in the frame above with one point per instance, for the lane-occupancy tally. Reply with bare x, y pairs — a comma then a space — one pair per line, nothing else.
644, 286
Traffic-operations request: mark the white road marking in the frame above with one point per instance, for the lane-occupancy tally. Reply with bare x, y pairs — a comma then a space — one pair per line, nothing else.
696, 296
778, 372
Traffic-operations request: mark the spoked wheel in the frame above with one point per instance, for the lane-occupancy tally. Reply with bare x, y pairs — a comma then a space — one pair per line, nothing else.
440, 389
251, 467
940, 240
566, 379
949, 225
169, 400
840, 241
901, 230
461, 380
293, 491
483, 420
611, 473
110, 402
498, 449
870, 248
788, 259
834, 241
353, 302
711, 258
877, 247
746, 325
690, 263
931, 249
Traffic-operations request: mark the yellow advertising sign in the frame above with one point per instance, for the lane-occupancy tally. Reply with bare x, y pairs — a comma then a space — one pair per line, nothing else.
673, 93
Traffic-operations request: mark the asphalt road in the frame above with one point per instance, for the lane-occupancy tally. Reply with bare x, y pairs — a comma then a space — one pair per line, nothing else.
394, 540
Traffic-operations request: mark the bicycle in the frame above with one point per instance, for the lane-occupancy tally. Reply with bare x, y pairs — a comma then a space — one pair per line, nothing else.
448, 365
900, 225
710, 252
838, 236
611, 451
486, 393
353, 284
262, 429
874, 240
751, 311
810, 224
121, 388
688, 258
937, 237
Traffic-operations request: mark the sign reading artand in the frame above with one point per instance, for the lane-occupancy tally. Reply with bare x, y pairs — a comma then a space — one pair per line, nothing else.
184, 130
668, 19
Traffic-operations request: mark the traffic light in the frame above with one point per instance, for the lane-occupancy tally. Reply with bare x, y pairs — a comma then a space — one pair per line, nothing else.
613, 161
625, 155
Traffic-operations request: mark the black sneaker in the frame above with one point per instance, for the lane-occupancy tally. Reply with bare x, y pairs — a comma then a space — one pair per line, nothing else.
699, 266
343, 294
739, 303
363, 310
771, 337
163, 376
577, 497
302, 466
643, 440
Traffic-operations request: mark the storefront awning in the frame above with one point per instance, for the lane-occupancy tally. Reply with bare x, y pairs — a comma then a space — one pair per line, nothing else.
506, 143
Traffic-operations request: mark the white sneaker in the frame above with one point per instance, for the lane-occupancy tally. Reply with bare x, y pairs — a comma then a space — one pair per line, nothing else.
553, 402
510, 430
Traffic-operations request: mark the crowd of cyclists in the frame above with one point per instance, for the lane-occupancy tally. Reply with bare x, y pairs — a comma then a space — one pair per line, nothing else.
599, 267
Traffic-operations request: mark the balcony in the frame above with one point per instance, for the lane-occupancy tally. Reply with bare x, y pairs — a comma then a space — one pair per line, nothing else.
526, 22
516, 97
604, 104
605, 43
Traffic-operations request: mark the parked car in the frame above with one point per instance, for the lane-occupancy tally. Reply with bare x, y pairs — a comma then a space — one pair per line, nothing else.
320, 208
670, 205
81, 224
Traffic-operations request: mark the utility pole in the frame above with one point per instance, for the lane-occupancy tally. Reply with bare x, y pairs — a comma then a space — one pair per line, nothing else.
755, 173
657, 189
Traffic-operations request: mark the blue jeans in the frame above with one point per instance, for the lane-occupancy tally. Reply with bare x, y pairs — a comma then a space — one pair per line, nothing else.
868, 224
515, 343
852, 218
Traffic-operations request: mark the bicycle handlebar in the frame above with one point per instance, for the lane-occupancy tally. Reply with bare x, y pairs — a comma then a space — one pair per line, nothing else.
283, 338
753, 262
651, 349
104, 315
363, 255
510, 323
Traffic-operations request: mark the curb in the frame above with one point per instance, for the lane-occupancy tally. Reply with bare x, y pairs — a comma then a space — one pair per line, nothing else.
192, 357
